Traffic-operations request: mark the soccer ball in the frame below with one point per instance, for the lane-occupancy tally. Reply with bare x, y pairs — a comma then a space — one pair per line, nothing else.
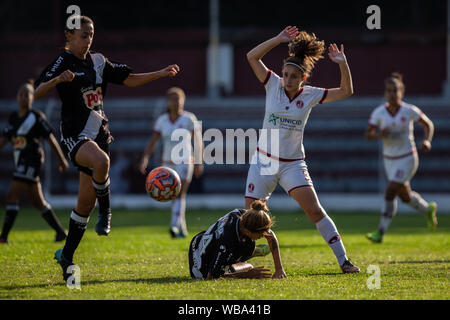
163, 184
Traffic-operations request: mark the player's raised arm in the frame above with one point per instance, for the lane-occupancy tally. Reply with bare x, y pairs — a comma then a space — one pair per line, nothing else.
138, 79
346, 88
255, 55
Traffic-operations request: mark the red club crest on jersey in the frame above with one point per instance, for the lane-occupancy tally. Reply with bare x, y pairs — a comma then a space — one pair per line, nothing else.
93, 98
251, 187
403, 119
19, 142
299, 104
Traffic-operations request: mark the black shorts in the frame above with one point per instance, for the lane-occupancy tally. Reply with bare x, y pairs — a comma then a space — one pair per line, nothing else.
70, 147
194, 242
28, 172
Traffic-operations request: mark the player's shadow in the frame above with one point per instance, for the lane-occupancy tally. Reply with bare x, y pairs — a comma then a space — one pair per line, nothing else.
162, 280
300, 246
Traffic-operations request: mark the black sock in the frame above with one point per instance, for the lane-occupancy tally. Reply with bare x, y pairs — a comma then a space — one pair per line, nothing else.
77, 227
103, 196
10, 217
49, 215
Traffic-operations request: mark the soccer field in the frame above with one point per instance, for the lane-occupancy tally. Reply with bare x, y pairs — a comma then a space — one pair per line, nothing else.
139, 260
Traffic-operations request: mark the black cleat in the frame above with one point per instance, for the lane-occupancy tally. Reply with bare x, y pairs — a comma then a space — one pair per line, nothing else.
103, 226
64, 263
349, 267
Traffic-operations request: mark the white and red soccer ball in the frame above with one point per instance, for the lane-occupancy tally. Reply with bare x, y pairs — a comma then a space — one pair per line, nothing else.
163, 184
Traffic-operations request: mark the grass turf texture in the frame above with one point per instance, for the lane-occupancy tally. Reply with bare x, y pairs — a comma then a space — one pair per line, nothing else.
139, 260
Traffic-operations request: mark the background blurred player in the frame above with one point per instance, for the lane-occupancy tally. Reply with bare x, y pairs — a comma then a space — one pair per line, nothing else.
394, 123
288, 104
81, 78
25, 129
223, 249
174, 119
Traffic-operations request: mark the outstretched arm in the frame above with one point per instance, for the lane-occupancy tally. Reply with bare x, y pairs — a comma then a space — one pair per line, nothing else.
255, 55
428, 128
149, 151
346, 88
275, 249
63, 165
138, 79
244, 270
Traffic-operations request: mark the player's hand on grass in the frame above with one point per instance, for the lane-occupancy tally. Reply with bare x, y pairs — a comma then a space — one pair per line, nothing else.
279, 274
66, 76
425, 146
287, 34
336, 55
170, 71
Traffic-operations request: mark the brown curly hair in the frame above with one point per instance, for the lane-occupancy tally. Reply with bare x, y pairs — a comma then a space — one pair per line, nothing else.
305, 50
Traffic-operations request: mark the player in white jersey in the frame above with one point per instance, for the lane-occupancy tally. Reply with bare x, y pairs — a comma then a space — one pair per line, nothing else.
394, 123
288, 104
185, 122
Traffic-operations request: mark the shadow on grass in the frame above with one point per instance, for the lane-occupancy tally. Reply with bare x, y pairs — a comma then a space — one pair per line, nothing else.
162, 280
419, 261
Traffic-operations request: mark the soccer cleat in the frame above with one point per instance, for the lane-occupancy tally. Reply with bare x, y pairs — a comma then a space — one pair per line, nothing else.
348, 267
64, 263
375, 237
431, 216
174, 232
103, 226
60, 237
3, 240
261, 250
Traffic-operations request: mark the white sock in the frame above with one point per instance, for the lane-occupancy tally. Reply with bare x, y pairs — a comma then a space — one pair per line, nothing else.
389, 211
418, 203
330, 234
178, 213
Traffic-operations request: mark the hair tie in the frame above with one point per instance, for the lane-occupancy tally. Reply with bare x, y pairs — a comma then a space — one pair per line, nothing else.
294, 64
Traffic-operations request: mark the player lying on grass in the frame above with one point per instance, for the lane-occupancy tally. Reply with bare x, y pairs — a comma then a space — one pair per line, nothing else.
393, 122
223, 249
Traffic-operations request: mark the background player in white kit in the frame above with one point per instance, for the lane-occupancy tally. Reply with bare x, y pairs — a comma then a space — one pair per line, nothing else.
394, 123
288, 104
176, 118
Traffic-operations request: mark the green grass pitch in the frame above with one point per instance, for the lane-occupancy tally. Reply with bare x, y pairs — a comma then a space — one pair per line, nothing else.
139, 260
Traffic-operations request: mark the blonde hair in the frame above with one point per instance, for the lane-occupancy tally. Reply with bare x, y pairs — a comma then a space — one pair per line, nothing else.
257, 219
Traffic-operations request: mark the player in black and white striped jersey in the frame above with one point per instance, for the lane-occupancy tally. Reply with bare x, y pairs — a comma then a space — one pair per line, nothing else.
81, 78
25, 129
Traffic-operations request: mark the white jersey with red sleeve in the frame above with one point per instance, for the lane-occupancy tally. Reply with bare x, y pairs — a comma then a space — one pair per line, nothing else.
400, 141
166, 127
288, 116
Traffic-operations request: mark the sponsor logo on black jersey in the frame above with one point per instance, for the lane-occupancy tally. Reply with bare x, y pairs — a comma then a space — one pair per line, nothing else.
93, 98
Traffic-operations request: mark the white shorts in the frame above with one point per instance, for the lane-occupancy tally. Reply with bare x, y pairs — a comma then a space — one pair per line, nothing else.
401, 170
184, 170
290, 176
